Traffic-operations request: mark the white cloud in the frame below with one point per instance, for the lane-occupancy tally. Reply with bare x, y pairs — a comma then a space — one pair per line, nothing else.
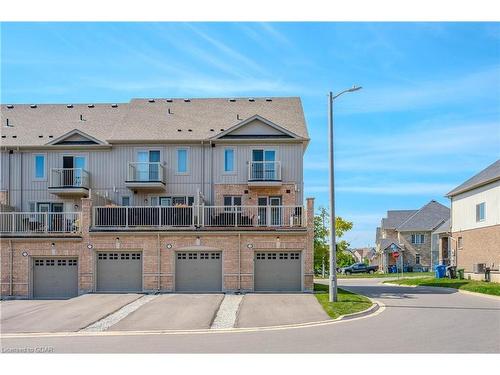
432, 92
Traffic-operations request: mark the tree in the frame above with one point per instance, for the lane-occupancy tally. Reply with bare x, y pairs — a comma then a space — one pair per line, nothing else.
321, 242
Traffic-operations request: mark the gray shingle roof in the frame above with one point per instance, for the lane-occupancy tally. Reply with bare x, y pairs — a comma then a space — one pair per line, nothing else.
395, 218
487, 175
428, 218
444, 228
145, 120
386, 242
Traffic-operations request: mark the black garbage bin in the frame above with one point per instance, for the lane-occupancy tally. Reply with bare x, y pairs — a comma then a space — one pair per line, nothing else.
452, 272
487, 276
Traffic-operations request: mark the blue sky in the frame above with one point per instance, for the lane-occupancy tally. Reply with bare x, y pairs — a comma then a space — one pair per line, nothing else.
427, 118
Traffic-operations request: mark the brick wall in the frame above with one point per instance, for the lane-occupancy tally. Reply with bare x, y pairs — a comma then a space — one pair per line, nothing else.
232, 244
410, 250
480, 245
250, 198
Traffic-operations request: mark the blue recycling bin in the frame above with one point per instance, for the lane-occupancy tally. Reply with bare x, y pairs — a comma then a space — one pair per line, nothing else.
440, 271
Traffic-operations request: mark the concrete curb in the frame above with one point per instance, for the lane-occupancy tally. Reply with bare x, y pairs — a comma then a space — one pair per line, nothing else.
376, 308
490, 296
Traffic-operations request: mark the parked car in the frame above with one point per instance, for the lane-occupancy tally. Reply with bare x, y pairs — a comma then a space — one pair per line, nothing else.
358, 268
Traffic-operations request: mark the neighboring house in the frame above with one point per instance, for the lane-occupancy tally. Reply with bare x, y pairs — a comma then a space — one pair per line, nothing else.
154, 195
475, 223
409, 232
361, 254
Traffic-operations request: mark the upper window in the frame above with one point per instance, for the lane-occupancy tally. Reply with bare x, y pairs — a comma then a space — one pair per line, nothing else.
182, 160
480, 211
417, 239
460, 242
228, 160
39, 167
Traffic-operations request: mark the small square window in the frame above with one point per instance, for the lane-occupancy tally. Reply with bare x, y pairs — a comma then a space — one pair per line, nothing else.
192, 256
125, 256
61, 262
215, 255
50, 262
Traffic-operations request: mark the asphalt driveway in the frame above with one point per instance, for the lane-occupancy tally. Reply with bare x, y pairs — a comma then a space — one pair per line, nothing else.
172, 311
59, 315
264, 310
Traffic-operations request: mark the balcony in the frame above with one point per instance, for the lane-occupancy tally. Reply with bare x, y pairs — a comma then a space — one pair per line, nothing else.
40, 223
145, 176
160, 217
69, 182
264, 173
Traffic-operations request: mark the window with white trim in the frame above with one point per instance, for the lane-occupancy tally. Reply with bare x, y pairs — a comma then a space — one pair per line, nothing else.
460, 242
417, 258
480, 211
39, 166
126, 200
417, 239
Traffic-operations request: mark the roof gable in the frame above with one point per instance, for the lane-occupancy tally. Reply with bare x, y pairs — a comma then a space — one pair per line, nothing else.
256, 127
428, 218
76, 137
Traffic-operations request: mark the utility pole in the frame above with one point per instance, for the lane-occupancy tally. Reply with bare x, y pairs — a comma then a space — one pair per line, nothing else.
333, 248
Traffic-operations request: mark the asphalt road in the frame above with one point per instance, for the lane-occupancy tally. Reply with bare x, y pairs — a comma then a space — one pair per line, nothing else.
415, 320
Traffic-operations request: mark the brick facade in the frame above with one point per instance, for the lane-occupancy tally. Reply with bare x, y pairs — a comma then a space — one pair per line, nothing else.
158, 260
286, 191
480, 245
410, 249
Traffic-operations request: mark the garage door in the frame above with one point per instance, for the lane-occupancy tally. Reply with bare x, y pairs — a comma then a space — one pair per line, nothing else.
119, 271
198, 272
278, 271
55, 278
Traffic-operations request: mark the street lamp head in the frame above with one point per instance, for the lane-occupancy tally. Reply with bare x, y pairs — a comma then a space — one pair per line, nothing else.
355, 88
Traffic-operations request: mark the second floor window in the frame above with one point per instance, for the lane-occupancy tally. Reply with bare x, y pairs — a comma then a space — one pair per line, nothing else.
229, 160
182, 160
480, 211
417, 239
39, 167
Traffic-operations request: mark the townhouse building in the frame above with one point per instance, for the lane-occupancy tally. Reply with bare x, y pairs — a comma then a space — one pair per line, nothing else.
475, 224
410, 233
154, 195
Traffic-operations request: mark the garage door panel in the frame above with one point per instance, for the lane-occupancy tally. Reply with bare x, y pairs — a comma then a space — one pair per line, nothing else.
198, 272
55, 277
119, 272
278, 271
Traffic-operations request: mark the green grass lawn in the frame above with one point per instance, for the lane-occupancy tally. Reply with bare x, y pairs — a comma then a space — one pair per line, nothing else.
470, 285
347, 303
376, 275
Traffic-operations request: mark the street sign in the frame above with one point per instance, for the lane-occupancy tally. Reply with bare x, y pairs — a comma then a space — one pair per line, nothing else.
395, 254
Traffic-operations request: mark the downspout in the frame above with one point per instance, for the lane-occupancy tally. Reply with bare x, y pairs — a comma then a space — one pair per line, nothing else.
239, 262
202, 169
11, 276
9, 199
159, 262
21, 178
212, 172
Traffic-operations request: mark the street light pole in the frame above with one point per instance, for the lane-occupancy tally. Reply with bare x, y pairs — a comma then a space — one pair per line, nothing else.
333, 249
